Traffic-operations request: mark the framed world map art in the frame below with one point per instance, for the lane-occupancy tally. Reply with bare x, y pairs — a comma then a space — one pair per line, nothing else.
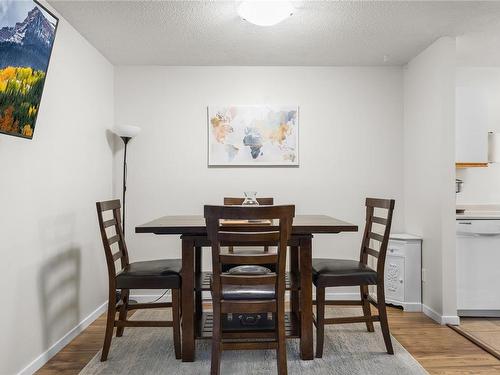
253, 135
27, 32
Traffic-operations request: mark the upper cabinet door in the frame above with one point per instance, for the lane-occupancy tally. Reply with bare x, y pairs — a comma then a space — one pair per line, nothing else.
471, 129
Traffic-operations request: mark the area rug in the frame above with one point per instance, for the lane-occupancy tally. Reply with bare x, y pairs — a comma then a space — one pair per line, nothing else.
349, 350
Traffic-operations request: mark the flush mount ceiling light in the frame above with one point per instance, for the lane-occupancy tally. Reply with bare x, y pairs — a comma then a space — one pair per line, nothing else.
265, 13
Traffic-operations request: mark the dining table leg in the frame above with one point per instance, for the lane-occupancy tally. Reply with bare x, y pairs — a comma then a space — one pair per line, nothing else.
187, 274
198, 293
306, 302
294, 270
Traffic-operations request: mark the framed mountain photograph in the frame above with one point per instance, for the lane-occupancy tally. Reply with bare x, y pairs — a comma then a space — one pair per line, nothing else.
27, 32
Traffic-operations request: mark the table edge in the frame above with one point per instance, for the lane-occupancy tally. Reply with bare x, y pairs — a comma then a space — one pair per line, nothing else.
202, 231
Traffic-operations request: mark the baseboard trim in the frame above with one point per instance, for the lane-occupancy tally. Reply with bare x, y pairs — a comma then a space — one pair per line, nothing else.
431, 313
441, 319
43, 358
407, 306
452, 320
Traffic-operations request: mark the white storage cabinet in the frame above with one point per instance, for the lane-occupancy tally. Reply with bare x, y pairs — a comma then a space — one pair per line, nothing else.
403, 272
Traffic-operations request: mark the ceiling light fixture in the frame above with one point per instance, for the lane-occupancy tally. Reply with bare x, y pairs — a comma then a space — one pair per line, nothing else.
265, 13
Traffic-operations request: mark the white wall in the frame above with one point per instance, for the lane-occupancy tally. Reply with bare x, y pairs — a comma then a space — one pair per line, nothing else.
53, 269
482, 185
350, 145
429, 87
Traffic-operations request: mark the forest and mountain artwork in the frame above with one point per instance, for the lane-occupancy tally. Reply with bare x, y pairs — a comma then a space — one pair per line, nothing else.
27, 32
253, 135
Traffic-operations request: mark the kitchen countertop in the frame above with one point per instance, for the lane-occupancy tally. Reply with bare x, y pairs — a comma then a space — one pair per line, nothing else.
479, 212
404, 237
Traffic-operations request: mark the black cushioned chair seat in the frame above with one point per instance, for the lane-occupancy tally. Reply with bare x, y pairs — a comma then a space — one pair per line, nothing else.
152, 274
249, 292
342, 272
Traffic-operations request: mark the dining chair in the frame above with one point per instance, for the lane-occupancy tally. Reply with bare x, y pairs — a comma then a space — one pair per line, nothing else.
234, 201
154, 274
248, 287
342, 272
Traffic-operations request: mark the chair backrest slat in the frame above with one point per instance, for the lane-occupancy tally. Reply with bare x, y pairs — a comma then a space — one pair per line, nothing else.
109, 223
388, 204
248, 213
237, 258
369, 234
376, 237
250, 238
248, 280
109, 205
372, 252
113, 238
230, 201
379, 220
221, 235
117, 256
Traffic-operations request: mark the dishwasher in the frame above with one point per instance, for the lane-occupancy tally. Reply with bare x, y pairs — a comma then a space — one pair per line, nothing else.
478, 268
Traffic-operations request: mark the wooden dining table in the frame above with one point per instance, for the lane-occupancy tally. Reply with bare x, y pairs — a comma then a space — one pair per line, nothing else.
193, 234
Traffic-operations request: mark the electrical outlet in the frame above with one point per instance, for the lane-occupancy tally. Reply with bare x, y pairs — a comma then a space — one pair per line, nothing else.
424, 274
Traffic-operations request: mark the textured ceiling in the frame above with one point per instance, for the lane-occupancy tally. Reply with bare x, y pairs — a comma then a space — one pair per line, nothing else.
319, 33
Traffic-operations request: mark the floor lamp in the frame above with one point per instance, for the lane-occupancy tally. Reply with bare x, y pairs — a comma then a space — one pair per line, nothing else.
126, 133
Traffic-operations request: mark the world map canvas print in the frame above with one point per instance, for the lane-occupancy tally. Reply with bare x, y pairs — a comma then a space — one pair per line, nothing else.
27, 32
253, 135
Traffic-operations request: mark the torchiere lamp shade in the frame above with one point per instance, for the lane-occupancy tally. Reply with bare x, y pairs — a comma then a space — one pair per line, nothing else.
126, 131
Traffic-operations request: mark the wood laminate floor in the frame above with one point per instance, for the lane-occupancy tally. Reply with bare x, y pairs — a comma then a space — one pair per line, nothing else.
484, 332
439, 349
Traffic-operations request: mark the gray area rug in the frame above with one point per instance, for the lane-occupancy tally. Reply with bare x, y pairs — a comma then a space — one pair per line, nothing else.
349, 349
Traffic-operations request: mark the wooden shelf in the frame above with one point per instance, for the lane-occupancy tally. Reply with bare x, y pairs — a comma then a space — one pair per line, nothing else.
232, 328
470, 165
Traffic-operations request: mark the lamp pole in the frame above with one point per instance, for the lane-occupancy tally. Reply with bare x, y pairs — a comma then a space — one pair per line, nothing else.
126, 133
125, 141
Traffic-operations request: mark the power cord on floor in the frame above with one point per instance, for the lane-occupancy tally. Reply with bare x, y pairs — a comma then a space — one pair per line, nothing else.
160, 297
118, 297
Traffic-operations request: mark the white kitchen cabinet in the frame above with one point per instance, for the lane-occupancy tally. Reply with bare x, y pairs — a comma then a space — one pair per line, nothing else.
403, 272
471, 125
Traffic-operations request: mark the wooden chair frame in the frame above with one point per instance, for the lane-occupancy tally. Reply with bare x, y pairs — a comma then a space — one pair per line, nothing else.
219, 235
122, 306
366, 299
